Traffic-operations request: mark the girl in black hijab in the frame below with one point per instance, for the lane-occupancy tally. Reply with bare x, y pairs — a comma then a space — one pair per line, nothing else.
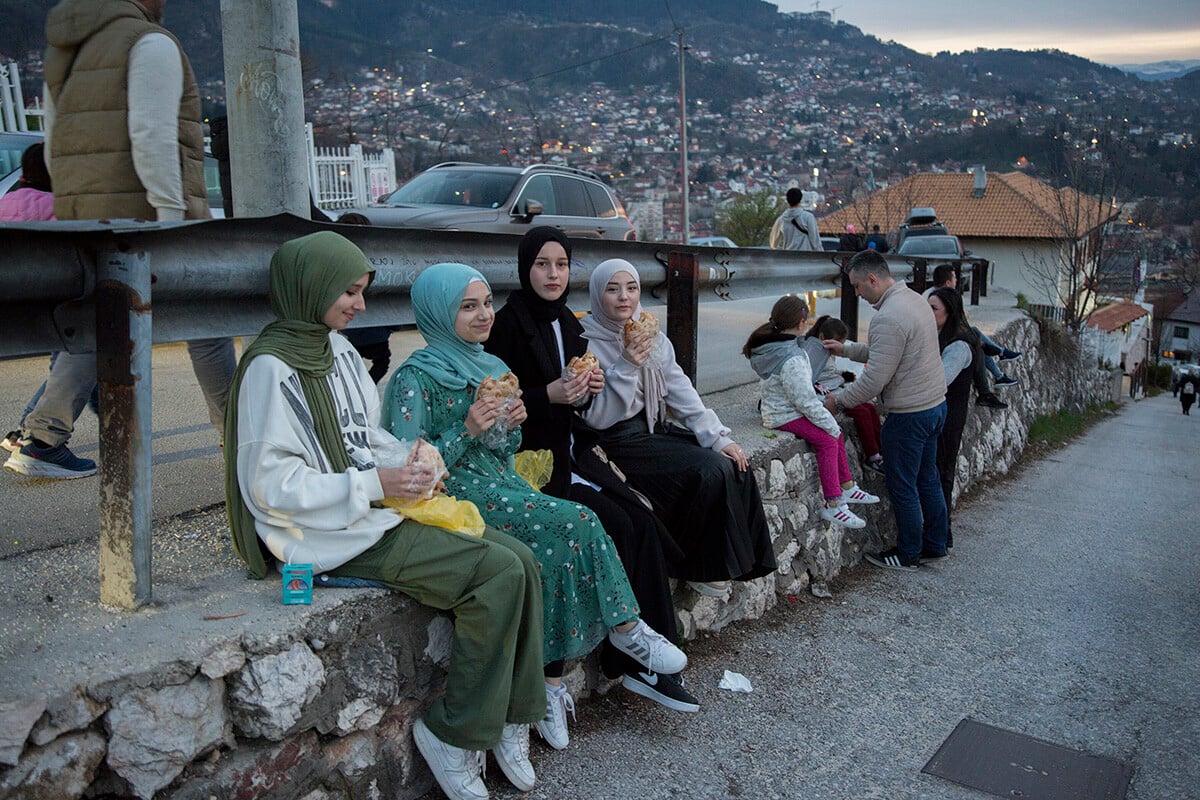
536, 335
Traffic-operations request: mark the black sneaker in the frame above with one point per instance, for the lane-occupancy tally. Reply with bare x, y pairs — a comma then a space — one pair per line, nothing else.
874, 466
666, 690
1004, 381
990, 400
891, 559
1009, 355
928, 556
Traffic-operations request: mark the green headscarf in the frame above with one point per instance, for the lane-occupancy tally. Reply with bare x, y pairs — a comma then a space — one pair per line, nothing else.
436, 295
307, 275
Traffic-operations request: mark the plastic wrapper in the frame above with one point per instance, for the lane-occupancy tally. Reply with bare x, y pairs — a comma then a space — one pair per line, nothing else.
535, 466
438, 510
503, 388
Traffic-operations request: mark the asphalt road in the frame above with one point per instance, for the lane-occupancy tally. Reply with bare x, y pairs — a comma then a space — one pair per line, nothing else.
1068, 611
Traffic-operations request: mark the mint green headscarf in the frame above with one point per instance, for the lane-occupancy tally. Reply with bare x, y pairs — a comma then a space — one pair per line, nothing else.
436, 296
307, 275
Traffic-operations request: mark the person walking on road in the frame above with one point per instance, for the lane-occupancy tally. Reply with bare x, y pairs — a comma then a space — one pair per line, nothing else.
1187, 394
123, 141
906, 373
795, 229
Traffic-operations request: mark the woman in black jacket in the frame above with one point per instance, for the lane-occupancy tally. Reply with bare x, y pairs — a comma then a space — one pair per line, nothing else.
536, 335
960, 353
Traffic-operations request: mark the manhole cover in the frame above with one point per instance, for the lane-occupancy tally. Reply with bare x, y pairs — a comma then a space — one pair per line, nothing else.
1013, 765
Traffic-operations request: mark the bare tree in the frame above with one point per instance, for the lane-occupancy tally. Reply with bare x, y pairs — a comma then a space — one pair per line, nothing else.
1076, 212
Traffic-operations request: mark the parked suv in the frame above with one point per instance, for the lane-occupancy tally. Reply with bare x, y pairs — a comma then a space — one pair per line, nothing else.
496, 199
919, 222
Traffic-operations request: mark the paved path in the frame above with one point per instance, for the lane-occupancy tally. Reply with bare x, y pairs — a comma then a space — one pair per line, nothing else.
1069, 611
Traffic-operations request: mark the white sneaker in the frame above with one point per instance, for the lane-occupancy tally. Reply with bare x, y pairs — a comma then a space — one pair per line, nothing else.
456, 770
553, 727
710, 588
649, 648
856, 494
512, 754
842, 515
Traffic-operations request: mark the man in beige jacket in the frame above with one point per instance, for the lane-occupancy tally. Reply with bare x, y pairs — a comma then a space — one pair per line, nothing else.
904, 368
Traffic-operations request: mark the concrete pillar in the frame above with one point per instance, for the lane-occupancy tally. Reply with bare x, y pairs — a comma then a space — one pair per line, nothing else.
264, 97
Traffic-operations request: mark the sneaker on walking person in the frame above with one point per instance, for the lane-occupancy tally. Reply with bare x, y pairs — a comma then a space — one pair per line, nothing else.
666, 690
856, 494
456, 770
553, 727
512, 755
891, 559
1004, 381
649, 648
39, 460
12, 441
842, 515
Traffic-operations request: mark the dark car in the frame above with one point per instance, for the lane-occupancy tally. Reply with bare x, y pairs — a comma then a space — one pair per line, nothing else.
12, 145
940, 247
921, 221
499, 199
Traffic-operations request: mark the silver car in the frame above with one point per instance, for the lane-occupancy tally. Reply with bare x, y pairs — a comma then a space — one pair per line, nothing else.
497, 199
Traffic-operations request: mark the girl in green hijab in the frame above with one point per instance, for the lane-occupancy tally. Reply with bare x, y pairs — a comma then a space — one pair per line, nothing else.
585, 591
301, 483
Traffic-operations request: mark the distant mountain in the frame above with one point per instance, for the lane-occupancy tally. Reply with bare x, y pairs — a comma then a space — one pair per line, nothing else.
1161, 70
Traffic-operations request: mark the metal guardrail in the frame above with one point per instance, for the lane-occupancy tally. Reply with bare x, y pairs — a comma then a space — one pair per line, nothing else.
116, 287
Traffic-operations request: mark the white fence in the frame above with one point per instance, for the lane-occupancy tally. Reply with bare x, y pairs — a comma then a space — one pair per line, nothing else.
13, 114
343, 177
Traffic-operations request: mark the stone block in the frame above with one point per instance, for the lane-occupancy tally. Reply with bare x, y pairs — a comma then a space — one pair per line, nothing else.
267, 697
61, 770
155, 733
225, 659
257, 771
70, 712
17, 718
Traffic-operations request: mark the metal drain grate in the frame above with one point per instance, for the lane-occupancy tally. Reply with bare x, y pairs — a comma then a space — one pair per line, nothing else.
1013, 765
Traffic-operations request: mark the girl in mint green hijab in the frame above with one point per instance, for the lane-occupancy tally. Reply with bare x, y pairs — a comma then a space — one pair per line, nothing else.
585, 591
302, 481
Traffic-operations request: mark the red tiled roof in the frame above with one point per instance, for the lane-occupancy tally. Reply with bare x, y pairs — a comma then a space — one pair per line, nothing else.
1013, 205
1116, 316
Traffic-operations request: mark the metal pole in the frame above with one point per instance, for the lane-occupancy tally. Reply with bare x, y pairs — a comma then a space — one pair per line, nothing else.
684, 215
123, 317
264, 97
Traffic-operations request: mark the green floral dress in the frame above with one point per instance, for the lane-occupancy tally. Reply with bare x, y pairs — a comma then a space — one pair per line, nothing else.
584, 587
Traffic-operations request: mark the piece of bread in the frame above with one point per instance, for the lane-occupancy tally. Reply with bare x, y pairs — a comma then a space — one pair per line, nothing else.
426, 454
644, 327
584, 363
503, 388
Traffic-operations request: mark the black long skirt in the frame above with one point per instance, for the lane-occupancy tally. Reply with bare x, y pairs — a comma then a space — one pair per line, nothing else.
713, 510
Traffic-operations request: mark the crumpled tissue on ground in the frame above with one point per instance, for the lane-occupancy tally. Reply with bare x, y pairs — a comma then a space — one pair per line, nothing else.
735, 682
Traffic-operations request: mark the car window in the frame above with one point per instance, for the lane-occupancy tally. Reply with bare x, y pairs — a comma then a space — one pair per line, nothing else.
212, 182
11, 148
455, 187
540, 188
601, 201
572, 197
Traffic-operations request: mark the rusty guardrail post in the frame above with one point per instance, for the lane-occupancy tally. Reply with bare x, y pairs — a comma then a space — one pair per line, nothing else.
849, 313
683, 300
123, 351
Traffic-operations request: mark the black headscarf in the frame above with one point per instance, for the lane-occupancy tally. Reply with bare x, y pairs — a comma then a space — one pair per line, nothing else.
531, 244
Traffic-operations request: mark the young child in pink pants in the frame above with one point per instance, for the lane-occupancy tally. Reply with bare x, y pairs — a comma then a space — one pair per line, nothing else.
790, 403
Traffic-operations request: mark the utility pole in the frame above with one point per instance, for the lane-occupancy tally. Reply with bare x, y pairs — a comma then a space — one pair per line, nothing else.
683, 140
264, 98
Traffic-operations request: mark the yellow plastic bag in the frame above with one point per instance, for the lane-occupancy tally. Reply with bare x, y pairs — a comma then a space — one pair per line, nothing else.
441, 511
535, 466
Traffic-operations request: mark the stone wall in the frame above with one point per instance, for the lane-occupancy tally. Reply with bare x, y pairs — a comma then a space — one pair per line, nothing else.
323, 709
